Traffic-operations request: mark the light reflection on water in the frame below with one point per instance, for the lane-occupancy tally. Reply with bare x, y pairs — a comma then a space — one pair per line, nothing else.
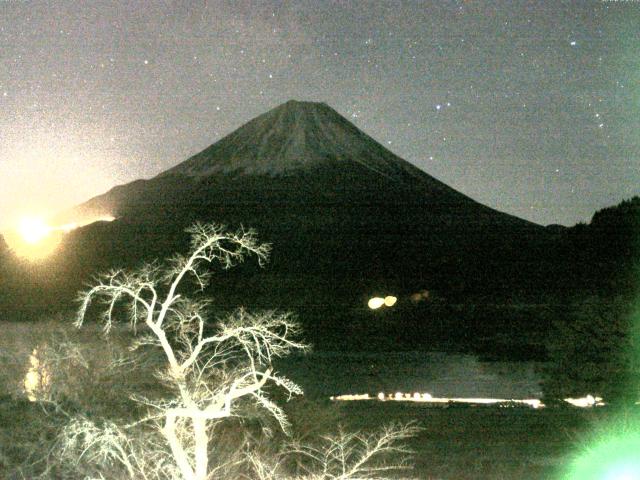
449, 379
423, 397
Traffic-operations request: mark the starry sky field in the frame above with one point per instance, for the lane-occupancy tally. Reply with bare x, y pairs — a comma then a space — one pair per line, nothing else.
530, 107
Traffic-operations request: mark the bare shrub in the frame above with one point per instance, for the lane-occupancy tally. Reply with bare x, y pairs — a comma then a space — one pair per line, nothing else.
342, 456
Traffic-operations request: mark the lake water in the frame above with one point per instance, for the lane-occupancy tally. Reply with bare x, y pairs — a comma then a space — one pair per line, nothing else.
323, 374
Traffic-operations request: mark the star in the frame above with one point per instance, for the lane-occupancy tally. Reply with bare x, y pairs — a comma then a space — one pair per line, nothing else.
223, 56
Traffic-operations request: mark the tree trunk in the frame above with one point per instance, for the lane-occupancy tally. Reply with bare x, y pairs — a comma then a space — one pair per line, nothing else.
178, 452
201, 448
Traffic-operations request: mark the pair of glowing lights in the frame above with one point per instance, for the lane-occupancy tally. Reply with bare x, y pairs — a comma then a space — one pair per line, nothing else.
377, 302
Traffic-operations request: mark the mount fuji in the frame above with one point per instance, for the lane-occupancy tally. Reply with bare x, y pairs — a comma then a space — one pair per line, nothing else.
347, 219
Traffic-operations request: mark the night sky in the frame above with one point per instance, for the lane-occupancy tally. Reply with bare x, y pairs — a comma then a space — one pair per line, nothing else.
532, 108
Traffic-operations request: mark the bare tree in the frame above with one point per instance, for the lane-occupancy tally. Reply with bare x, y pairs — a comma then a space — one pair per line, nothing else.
209, 372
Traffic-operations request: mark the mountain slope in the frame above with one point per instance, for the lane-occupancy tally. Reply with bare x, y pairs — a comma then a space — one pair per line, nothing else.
295, 139
307, 178
293, 136
346, 217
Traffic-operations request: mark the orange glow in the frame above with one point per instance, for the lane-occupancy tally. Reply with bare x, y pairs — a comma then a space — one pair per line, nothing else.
420, 296
35, 240
68, 227
33, 229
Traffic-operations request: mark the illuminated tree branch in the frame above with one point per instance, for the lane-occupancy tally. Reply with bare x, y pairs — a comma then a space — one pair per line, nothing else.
208, 373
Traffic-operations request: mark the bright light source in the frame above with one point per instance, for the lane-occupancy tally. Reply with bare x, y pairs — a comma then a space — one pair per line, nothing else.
390, 300
375, 303
613, 457
32, 239
33, 229
350, 397
428, 398
623, 472
584, 402
35, 240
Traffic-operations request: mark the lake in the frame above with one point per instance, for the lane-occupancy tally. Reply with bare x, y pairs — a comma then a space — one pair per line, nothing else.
323, 374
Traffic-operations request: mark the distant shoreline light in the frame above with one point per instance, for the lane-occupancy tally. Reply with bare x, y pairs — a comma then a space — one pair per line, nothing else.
423, 397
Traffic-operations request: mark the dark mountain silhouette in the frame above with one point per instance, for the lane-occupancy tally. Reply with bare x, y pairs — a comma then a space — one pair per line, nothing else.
306, 177
295, 139
603, 256
347, 219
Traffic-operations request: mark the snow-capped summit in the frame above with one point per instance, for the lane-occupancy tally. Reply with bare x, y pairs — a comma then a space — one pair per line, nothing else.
293, 136
302, 153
